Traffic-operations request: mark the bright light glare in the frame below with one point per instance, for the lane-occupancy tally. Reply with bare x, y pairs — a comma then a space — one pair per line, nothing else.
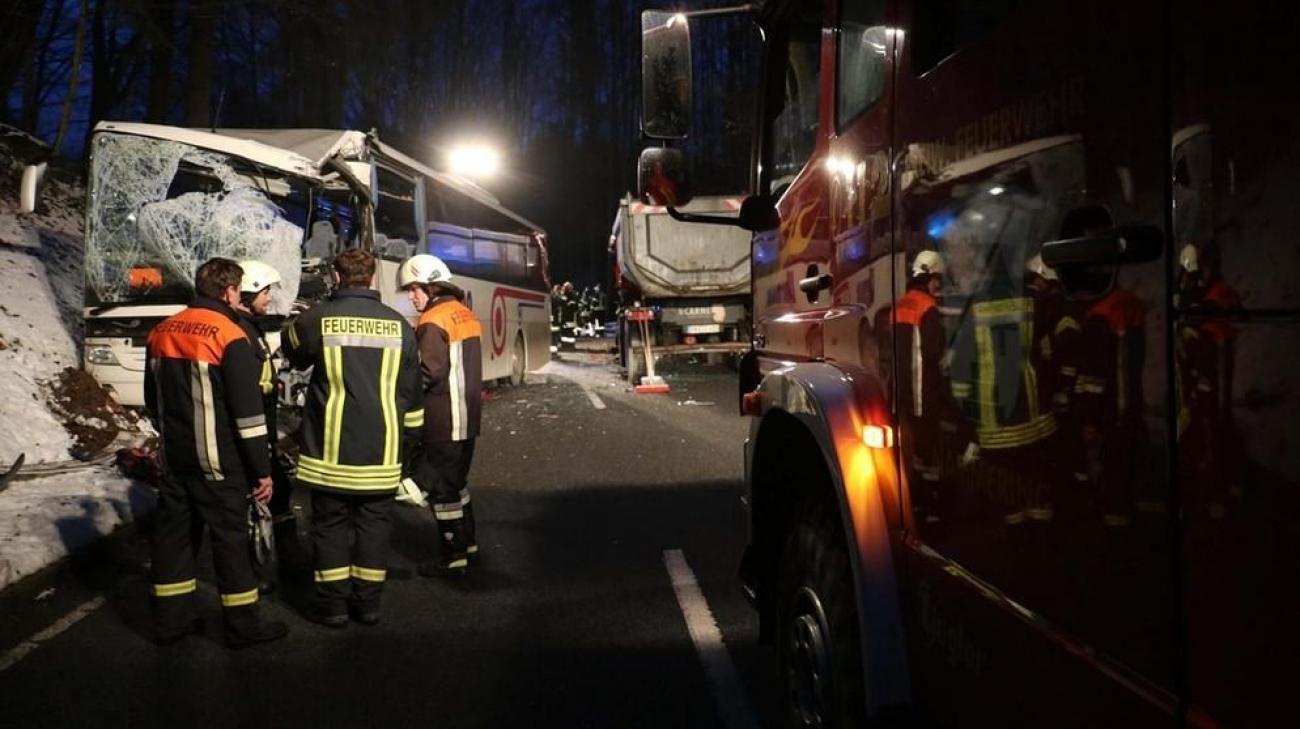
997, 190
878, 436
475, 161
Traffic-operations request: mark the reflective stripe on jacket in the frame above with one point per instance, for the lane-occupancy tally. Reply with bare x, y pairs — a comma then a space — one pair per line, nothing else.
451, 363
201, 387
364, 396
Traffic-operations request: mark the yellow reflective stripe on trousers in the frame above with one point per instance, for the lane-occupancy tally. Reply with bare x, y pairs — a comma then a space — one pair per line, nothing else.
334, 574
368, 574
239, 598
173, 589
388, 401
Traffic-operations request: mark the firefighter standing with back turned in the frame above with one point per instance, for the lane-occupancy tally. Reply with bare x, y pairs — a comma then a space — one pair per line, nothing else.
362, 403
201, 389
451, 367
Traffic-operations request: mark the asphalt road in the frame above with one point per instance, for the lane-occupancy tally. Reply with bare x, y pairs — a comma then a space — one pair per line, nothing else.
569, 620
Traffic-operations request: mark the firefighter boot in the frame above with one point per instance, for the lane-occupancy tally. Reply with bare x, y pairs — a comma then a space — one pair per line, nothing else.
471, 542
244, 627
454, 559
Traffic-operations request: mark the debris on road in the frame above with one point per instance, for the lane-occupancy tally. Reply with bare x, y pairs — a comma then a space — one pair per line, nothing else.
706, 403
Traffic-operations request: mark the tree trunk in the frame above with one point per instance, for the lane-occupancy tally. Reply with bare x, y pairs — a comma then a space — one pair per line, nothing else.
161, 17
198, 87
74, 78
17, 44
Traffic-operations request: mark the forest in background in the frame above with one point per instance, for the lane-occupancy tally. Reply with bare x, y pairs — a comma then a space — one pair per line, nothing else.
554, 83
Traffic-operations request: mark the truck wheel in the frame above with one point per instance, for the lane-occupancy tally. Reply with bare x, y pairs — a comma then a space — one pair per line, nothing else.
817, 628
517, 361
635, 361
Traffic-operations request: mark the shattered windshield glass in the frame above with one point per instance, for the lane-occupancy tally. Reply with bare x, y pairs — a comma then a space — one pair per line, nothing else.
158, 209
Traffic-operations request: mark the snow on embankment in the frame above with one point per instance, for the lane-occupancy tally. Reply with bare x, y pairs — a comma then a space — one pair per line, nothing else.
41, 390
40, 303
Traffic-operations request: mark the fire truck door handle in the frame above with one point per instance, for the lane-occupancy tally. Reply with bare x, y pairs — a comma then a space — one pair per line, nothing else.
1123, 244
815, 284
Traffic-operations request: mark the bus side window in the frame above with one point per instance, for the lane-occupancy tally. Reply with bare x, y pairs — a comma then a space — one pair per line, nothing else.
861, 76
533, 274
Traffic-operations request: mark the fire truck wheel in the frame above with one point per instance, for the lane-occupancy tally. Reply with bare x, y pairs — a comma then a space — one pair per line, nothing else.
517, 361
817, 627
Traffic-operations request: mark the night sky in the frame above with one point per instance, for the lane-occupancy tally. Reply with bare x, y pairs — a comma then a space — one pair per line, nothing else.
553, 83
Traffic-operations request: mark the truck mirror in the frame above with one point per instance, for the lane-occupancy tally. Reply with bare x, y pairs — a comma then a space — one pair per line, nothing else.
758, 213
665, 75
29, 193
662, 177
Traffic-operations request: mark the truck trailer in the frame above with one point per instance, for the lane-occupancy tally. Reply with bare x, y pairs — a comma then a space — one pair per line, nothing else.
692, 281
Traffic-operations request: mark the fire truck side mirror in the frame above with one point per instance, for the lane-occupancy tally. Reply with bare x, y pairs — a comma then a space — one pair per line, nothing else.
758, 213
662, 177
665, 75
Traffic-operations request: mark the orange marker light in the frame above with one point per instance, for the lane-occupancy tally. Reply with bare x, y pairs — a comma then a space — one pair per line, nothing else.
878, 436
145, 277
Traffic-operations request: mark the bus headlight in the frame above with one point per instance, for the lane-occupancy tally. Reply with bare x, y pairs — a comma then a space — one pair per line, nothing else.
101, 355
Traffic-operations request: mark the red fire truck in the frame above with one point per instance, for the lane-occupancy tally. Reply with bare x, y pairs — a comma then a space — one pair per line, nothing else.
1025, 327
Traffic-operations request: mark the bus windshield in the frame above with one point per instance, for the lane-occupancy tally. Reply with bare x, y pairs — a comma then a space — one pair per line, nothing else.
160, 208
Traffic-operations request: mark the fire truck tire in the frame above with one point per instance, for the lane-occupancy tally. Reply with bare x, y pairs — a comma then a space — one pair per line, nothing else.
817, 628
518, 361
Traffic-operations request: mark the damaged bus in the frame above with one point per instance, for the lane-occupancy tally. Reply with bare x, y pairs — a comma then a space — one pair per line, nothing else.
161, 200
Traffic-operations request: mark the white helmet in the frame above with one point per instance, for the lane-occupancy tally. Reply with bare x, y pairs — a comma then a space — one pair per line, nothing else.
422, 269
927, 263
1036, 266
1189, 259
257, 276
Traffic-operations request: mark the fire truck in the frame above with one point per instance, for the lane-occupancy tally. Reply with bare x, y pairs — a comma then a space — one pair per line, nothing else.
1022, 450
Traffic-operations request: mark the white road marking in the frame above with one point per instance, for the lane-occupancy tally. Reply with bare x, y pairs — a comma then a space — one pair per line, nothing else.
728, 693
596, 402
20, 651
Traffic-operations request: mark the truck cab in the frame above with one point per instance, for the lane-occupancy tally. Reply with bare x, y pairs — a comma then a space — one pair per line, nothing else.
1076, 518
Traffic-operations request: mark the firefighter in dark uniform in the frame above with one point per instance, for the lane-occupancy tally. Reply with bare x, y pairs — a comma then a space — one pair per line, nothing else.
451, 367
1109, 399
255, 302
1058, 327
931, 420
363, 401
1206, 357
201, 390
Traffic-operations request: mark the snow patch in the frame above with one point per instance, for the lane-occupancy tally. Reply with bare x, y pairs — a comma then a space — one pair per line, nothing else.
45, 520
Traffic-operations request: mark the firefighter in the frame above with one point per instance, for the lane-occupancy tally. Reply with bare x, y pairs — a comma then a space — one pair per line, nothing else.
1206, 358
1109, 399
201, 390
255, 290
451, 366
363, 401
927, 411
1055, 355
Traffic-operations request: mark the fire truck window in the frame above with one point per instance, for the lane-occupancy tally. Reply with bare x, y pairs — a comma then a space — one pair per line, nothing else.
794, 130
861, 76
942, 27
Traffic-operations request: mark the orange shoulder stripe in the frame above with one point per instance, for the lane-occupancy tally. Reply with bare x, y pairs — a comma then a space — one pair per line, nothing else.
195, 334
454, 318
912, 307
